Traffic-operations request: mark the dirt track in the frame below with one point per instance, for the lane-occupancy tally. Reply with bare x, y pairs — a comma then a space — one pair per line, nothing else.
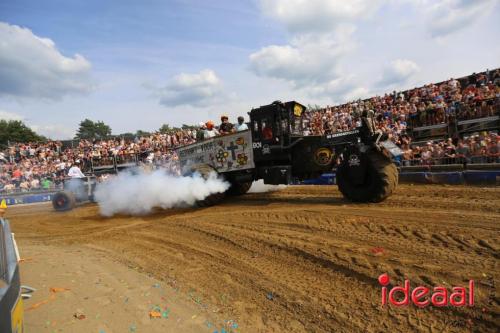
303, 259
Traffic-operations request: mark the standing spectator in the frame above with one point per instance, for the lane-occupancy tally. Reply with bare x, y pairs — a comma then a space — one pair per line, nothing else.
463, 152
225, 127
200, 132
210, 132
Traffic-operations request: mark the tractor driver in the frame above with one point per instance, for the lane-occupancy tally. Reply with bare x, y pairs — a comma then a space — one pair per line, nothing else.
267, 131
74, 172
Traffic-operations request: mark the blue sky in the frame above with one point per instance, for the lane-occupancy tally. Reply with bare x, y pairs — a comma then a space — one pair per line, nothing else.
139, 64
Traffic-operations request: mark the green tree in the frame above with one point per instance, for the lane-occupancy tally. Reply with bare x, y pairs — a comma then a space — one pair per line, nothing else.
16, 131
93, 130
188, 127
126, 136
313, 108
140, 133
165, 128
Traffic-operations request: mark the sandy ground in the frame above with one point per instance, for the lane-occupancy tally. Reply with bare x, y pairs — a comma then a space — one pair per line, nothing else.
297, 260
83, 291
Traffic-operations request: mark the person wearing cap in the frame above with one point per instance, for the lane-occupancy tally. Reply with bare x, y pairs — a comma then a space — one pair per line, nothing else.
74, 172
210, 131
225, 127
241, 126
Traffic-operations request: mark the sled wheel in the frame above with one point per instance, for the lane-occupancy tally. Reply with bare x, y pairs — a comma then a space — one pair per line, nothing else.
380, 179
63, 201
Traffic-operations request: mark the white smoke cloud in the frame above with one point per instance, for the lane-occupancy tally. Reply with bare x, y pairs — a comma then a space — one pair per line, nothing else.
138, 194
259, 187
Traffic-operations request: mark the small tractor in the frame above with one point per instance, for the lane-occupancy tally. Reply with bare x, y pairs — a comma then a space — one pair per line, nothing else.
275, 150
76, 191
79, 191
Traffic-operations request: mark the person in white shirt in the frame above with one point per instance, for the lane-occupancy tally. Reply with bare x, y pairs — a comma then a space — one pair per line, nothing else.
210, 132
75, 172
241, 126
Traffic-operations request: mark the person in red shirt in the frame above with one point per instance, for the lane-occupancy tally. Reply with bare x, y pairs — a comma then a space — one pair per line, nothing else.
16, 173
16, 176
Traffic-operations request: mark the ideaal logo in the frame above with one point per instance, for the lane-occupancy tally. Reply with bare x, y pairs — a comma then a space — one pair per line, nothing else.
422, 296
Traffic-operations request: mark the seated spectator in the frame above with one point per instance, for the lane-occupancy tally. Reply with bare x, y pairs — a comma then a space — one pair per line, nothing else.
24, 186
46, 184
35, 183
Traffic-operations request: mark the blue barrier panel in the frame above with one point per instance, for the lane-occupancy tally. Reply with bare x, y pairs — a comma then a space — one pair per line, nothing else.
329, 178
27, 199
415, 177
324, 179
426, 177
482, 177
452, 178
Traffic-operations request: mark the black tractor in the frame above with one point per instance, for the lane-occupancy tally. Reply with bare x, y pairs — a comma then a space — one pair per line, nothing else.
361, 158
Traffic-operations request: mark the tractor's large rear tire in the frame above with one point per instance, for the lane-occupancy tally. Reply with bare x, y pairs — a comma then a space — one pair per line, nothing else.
380, 180
239, 188
213, 199
63, 201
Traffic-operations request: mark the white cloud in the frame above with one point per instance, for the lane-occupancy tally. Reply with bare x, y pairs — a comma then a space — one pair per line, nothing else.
398, 72
324, 34
357, 93
5, 115
54, 131
308, 59
341, 89
322, 37
32, 67
445, 17
301, 16
199, 89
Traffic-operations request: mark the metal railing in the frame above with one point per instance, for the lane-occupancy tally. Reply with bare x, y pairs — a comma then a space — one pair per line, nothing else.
435, 161
114, 162
459, 110
39, 190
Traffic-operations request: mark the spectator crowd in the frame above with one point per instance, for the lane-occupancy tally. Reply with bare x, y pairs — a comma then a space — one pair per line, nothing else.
472, 97
43, 166
475, 96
